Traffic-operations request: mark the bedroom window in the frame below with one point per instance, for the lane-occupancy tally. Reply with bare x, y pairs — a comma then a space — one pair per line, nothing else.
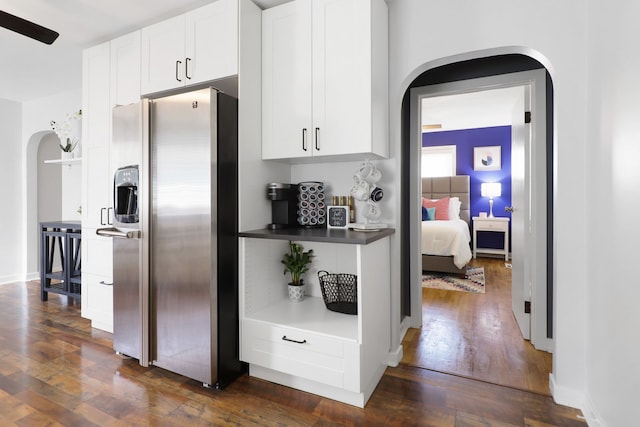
439, 161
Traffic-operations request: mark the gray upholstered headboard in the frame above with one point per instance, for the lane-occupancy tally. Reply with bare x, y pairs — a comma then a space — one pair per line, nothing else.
449, 186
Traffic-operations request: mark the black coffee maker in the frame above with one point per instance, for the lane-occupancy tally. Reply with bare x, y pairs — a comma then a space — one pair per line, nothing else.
284, 205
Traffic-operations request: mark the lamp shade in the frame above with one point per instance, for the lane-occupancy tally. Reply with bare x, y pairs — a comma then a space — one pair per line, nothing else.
491, 189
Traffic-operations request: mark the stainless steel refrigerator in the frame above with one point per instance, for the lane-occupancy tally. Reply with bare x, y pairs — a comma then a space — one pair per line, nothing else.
193, 248
188, 203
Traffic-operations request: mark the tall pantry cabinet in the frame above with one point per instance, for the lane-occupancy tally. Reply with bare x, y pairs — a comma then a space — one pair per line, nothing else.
325, 79
111, 76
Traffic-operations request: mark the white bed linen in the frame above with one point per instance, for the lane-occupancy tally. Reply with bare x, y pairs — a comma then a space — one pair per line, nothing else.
446, 238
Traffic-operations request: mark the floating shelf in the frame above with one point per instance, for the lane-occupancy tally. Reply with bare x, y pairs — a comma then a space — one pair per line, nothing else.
68, 162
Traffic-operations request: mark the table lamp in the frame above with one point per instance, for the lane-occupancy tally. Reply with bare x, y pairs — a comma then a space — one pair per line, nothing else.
491, 190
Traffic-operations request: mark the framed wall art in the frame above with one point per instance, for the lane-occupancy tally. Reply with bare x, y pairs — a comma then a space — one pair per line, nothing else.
487, 158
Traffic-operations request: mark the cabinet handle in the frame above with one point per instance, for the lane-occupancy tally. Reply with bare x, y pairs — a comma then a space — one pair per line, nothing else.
284, 338
109, 213
508, 208
102, 282
102, 210
304, 139
177, 67
317, 145
186, 68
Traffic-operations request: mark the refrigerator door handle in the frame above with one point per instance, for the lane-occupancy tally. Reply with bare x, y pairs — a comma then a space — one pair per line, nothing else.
114, 232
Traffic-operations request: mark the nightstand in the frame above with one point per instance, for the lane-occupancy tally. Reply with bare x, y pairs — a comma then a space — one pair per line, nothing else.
496, 224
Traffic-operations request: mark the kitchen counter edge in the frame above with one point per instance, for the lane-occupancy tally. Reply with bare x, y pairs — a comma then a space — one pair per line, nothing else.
327, 235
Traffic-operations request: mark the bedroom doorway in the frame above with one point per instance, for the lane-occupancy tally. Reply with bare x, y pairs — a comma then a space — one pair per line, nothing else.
535, 258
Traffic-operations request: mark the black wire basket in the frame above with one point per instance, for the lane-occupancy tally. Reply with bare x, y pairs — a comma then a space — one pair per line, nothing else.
339, 291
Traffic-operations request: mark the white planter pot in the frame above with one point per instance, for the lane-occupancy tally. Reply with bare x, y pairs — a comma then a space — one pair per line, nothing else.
296, 293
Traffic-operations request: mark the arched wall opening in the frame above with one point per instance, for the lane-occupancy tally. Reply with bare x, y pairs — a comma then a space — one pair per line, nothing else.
455, 69
44, 193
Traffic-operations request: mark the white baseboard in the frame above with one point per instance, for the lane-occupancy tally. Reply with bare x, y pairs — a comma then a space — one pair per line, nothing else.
405, 324
4, 280
32, 276
394, 357
591, 415
575, 399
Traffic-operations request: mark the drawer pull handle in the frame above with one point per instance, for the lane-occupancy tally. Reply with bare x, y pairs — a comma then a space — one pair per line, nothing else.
284, 338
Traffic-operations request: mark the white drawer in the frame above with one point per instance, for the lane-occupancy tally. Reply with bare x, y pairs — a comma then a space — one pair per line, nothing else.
490, 226
97, 301
316, 357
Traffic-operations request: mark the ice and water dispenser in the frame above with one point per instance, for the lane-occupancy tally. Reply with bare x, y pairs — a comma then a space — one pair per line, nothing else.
125, 192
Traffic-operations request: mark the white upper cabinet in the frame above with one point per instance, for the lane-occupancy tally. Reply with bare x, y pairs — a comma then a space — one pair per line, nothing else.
286, 81
212, 41
192, 48
325, 79
163, 55
125, 69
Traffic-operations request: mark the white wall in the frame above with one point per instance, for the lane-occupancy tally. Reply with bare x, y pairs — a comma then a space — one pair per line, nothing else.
71, 192
36, 116
338, 180
613, 347
49, 180
427, 34
10, 190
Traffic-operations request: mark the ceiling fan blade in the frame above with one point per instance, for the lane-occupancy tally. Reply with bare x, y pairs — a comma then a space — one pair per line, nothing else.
27, 28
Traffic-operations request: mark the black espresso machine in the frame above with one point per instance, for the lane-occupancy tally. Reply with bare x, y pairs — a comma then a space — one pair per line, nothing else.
284, 205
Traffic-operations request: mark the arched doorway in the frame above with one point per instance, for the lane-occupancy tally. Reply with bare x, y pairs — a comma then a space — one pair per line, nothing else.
44, 193
464, 71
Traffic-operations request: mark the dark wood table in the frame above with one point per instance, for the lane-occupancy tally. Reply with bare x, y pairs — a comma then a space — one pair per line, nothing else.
66, 236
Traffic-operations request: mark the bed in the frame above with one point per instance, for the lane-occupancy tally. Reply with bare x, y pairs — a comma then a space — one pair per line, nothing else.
445, 244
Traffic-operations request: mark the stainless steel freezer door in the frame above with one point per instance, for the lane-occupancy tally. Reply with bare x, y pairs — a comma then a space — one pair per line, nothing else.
183, 244
127, 316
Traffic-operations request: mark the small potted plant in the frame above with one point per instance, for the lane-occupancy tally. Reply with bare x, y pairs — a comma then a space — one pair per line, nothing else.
296, 263
68, 132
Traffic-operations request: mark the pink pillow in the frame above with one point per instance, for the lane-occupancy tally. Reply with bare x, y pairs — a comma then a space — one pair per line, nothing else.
441, 205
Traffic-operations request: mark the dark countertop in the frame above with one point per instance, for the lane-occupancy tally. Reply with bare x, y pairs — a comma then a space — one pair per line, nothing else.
328, 235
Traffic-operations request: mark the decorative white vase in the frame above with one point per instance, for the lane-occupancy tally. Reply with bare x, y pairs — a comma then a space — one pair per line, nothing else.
296, 293
66, 155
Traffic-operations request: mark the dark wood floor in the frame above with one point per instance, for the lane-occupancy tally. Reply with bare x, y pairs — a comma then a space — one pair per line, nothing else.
476, 336
57, 371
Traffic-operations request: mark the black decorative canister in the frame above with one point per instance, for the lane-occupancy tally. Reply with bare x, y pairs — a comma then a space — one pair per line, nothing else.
311, 204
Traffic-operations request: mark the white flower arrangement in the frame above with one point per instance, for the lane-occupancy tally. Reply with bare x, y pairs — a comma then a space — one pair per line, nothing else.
64, 131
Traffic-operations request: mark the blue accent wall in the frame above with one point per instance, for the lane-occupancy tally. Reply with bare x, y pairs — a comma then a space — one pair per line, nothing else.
465, 142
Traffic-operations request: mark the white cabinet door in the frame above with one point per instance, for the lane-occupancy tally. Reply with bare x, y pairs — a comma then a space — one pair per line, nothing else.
96, 135
341, 73
96, 185
325, 79
286, 81
195, 47
125, 69
163, 55
212, 42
